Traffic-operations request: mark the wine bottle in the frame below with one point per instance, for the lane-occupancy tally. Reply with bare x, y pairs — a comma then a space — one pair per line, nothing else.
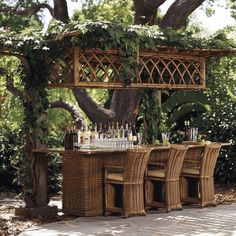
122, 131
126, 130
117, 130
75, 143
82, 136
100, 131
130, 134
112, 130
134, 135
67, 139
186, 130
109, 131
95, 132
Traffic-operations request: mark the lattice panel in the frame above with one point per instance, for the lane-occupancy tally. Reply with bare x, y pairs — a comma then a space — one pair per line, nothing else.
170, 70
103, 69
97, 66
61, 70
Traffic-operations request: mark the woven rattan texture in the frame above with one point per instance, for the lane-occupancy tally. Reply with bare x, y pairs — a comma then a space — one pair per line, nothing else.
82, 184
203, 191
169, 190
131, 194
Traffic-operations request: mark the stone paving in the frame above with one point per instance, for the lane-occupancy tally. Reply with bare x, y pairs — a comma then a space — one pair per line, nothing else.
218, 221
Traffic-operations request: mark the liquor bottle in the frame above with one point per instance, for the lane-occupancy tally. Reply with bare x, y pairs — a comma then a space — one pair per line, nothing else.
78, 136
122, 131
117, 130
112, 130
100, 131
130, 133
186, 130
75, 143
95, 132
71, 137
109, 131
105, 131
82, 136
67, 139
88, 136
134, 135
126, 130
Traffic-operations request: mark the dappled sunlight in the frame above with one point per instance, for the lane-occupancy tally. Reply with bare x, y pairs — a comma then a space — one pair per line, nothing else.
191, 221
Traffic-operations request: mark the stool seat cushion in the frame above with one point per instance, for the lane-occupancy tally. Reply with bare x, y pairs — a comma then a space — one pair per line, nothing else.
191, 171
156, 173
115, 177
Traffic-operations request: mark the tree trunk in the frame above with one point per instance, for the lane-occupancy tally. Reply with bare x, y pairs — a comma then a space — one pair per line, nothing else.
61, 11
40, 170
178, 12
146, 11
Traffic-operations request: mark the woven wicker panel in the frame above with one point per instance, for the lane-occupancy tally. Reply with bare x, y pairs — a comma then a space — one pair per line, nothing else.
82, 185
104, 69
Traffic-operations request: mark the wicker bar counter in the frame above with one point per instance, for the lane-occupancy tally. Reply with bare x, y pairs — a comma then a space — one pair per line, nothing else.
82, 184
83, 170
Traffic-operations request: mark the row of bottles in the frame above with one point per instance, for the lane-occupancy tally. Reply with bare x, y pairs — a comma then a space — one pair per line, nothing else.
87, 135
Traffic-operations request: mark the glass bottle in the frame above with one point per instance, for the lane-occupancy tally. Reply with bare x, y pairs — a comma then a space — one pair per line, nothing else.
134, 135
130, 133
122, 131
186, 130
67, 138
117, 130
126, 130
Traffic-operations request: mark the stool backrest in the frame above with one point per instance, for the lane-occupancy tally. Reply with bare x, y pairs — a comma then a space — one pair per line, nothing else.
175, 161
135, 164
208, 162
193, 156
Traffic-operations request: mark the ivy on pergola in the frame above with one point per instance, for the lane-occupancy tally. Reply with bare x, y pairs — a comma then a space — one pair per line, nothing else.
107, 55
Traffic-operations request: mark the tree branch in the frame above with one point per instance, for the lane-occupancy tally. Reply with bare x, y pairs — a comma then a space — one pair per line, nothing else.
178, 12
146, 11
11, 88
28, 11
19, 56
94, 112
71, 109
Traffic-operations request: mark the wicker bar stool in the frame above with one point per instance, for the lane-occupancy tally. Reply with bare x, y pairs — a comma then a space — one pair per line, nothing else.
197, 182
124, 184
162, 180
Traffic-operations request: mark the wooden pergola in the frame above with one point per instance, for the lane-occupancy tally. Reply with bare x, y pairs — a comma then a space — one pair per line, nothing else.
162, 68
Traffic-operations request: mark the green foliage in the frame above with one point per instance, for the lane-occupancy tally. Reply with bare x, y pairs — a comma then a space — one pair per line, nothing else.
10, 144
220, 123
19, 23
55, 139
184, 104
150, 112
119, 11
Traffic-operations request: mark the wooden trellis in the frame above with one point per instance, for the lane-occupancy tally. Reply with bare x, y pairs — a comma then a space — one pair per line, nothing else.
161, 69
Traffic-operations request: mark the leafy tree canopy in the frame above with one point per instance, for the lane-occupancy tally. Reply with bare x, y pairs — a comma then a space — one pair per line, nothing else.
108, 35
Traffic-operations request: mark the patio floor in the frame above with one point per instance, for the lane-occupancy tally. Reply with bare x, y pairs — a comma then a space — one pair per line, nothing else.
218, 221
